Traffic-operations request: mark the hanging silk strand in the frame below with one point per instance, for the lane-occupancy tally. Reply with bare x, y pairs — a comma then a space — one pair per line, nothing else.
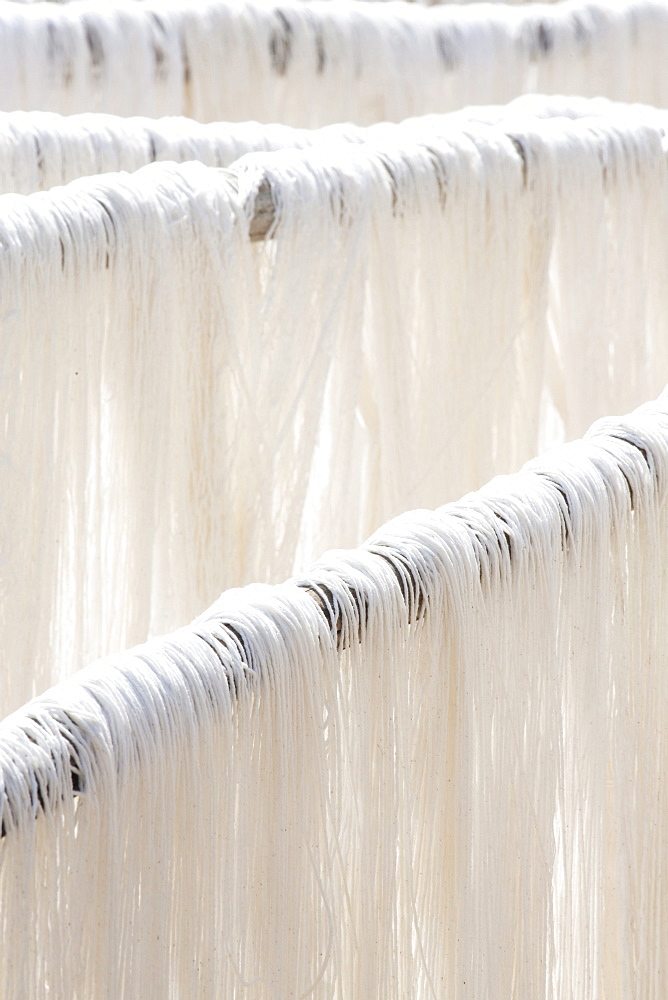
311, 64
39, 150
216, 411
448, 782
